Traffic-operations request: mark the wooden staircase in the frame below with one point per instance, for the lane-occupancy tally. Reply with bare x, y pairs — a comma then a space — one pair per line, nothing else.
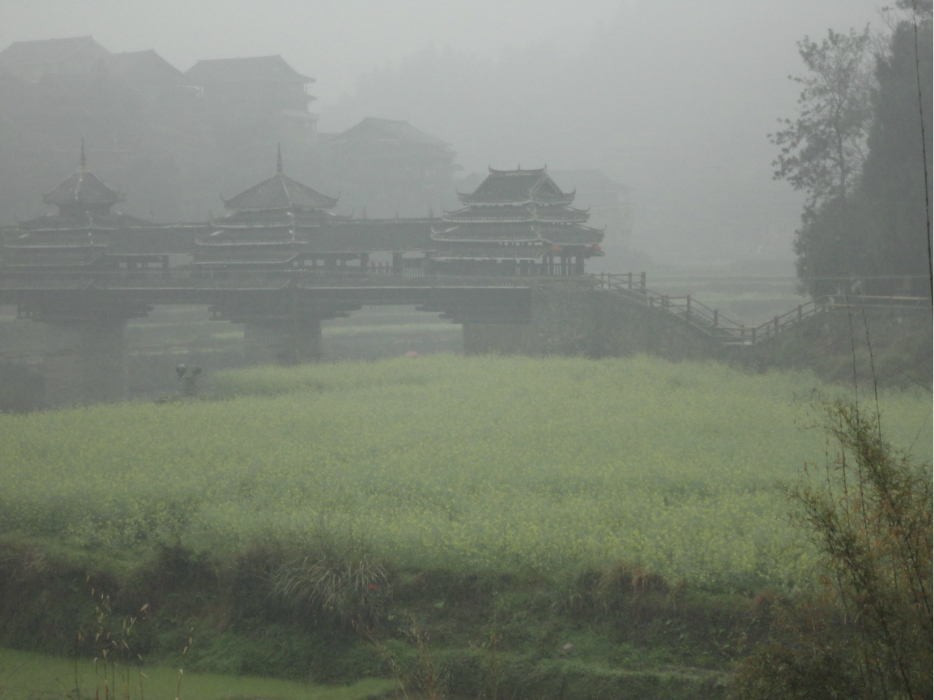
632, 288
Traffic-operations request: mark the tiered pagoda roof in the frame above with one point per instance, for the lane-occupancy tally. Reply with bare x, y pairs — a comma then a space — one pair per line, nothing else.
83, 192
517, 187
80, 232
277, 193
516, 214
270, 223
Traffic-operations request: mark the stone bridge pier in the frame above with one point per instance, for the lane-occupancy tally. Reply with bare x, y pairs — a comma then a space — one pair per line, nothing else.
85, 359
282, 341
85, 362
279, 328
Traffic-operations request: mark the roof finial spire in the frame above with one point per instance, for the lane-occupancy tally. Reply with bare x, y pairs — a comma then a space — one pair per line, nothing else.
278, 157
83, 162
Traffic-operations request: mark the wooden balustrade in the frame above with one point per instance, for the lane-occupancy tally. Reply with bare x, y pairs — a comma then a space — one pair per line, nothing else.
714, 324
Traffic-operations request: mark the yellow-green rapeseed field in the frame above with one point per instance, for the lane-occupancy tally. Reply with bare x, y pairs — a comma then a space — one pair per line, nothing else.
483, 464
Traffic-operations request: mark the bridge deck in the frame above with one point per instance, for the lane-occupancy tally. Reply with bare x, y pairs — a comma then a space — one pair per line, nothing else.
238, 295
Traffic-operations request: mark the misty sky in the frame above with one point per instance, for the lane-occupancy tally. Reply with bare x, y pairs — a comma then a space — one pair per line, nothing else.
674, 98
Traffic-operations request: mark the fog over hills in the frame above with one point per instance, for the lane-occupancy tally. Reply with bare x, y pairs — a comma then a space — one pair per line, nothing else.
673, 99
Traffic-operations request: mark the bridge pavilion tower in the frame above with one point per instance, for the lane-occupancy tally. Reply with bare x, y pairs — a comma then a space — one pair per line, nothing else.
517, 222
272, 226
85, 361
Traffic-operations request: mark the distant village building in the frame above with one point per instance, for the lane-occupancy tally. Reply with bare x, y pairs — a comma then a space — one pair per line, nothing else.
515, 222
31, 61
386, 168
149, 74
260, 86
146, 72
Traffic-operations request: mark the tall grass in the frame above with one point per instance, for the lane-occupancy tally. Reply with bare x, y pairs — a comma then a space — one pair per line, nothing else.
497, 464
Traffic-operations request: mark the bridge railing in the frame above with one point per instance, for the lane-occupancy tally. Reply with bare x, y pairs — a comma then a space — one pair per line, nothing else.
694, 312
773, 327
633, 288
877, 302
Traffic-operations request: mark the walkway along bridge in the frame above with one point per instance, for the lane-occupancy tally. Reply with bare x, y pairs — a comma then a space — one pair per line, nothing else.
282, 310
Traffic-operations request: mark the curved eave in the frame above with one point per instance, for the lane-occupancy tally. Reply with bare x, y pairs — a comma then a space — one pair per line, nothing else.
322, 210
574, 217
570, 215
73, 231
76, 246
247, 244
563, 199
574, 236
246, 263
58, 265
488, 220
569, 220
83, 221
491, 201
262, 236
456, 234
266, 227
519, 171
483, 256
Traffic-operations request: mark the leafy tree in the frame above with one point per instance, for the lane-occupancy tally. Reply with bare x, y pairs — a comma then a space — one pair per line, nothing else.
856, 150
823, 150
866, 632
892, 223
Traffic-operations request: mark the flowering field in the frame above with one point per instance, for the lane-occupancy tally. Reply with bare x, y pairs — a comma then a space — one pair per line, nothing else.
465, 463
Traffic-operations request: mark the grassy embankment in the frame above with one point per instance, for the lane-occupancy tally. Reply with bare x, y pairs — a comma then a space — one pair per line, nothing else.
23, 674
555, 527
